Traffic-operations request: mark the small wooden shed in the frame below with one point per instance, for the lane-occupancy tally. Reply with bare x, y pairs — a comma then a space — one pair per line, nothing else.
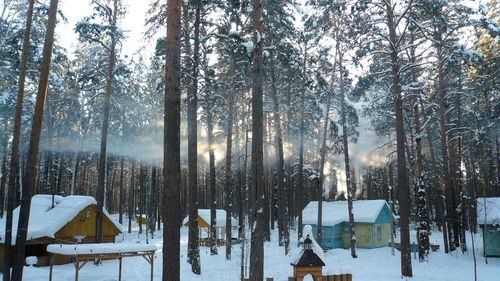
372, 223
488, 218
70, 221
204, 217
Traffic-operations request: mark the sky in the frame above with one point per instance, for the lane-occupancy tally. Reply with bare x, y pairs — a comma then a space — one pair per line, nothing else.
132, 23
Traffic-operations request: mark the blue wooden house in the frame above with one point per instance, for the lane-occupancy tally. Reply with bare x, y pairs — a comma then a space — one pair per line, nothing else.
372, 222
488, 218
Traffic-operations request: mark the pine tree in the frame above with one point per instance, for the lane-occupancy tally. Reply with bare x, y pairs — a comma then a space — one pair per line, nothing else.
32, 158
171, 145
404, 188
14, 159
193, 251
98, 33
257, 243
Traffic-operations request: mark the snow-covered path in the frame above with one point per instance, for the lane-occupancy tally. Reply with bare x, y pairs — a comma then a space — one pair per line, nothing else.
371, 265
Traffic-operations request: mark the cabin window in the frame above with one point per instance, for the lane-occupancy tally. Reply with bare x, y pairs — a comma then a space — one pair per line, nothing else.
379, 232
86, 216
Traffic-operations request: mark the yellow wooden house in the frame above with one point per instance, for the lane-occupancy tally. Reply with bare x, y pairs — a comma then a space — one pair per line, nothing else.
71, 220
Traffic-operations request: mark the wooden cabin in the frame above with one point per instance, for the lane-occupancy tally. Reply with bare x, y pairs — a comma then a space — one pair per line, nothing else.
372, 223
71, 220
488, 218
204, 217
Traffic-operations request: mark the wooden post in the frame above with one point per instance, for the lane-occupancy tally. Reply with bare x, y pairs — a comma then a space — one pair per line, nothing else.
336, 277
50, 270
325, 278
77, 268
120, 270
348, 277
152, 264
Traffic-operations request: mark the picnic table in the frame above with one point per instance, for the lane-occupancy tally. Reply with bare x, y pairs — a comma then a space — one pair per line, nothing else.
82, 253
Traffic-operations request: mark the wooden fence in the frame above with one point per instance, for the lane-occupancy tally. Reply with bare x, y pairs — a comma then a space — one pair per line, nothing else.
339, 277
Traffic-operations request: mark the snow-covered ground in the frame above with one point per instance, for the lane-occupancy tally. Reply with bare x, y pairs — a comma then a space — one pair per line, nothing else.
371, 264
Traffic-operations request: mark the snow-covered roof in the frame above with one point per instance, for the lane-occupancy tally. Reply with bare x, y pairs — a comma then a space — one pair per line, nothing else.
492, 215
99, 248
220, 220
336, 212
45, 221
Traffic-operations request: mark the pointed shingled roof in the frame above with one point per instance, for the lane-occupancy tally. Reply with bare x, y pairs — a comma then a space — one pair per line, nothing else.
308, 259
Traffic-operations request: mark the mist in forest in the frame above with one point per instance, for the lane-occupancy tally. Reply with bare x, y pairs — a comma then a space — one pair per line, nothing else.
369, 150
147, 149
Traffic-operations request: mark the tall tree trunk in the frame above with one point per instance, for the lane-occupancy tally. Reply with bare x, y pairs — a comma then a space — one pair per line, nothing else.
288, 167
212, 181
60, 173
192, 107
284, 236
110, 190
131, 207
461, 187
498, 160
153, 201
300, 191
267, 181
3, 180
449, 214
436, 190
14, 179
142, 188
229, 172
257, 243
74, 172
101, 180
321, 174
122, 193
245, 196
171, 145
31, 163
49, 163
423, 220
83, 186
404, 188
349, 186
